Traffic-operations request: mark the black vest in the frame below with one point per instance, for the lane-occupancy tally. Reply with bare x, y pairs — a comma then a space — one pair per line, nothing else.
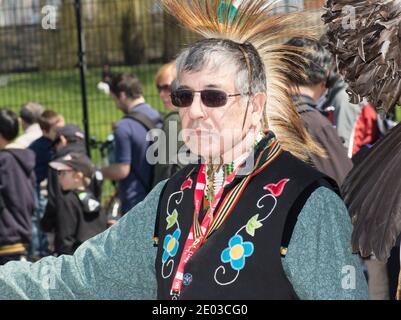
257, 275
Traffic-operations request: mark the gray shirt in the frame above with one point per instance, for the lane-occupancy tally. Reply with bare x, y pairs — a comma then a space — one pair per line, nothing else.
120, 262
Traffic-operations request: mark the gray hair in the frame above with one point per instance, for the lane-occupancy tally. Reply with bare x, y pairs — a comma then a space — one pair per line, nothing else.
31, 112
222, 52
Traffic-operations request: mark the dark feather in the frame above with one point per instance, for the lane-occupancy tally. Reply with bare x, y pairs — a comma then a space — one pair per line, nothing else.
369, 54
372, 192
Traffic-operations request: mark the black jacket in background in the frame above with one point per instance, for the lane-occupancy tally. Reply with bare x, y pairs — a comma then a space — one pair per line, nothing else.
55, 194
17, 185
74, 224
337, 164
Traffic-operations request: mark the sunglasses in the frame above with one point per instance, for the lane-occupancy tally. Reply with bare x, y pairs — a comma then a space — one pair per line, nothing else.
183, 98
165, 87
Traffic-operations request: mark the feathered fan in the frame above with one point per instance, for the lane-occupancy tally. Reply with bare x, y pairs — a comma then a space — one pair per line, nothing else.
253, 21
365, 36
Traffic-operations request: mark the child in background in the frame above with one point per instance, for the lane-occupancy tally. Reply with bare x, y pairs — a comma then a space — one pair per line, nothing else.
79, 217
49, 122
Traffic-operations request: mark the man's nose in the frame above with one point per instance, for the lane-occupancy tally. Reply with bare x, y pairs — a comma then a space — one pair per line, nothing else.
197, 109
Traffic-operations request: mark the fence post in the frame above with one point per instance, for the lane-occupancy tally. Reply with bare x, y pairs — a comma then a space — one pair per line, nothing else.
82, 69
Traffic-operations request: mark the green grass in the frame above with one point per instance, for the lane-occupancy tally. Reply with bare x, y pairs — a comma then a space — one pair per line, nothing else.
61, 91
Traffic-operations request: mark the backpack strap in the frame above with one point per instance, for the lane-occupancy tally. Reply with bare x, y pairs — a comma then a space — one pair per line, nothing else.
149, 125
142, 119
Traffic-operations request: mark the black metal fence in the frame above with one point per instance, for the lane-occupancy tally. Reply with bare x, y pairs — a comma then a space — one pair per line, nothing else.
53, 51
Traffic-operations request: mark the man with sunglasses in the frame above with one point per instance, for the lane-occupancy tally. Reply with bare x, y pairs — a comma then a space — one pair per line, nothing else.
249, 220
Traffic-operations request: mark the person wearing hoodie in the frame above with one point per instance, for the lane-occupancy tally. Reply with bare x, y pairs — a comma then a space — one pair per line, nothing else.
17, 183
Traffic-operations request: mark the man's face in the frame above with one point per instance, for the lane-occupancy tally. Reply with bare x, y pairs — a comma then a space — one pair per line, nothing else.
211, 132
119, 101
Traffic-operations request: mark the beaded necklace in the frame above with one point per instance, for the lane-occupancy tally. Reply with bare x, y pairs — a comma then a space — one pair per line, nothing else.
216, 177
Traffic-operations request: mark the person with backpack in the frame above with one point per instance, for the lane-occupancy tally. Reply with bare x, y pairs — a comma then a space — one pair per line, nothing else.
131, 168
17, 185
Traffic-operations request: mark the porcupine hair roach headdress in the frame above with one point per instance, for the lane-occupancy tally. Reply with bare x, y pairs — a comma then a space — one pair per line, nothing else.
368, 53
255, 32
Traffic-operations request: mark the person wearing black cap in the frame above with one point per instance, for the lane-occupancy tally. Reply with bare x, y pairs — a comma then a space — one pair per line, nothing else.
69, 139
68, 135
79, 217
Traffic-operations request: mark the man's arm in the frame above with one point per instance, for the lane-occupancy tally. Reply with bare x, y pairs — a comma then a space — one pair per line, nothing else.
319, 262
123, 153
116, 171
117, 264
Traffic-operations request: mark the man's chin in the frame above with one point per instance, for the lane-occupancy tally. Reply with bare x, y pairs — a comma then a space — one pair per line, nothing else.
207, 154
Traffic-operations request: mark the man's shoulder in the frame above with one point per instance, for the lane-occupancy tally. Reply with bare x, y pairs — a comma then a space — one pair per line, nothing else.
149, 111
128, 123
128, 128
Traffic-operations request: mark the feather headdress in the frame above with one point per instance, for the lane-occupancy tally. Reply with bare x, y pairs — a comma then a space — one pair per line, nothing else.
252, 21
365, 36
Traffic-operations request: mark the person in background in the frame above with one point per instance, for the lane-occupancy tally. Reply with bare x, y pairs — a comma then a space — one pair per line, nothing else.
306, 93
171, 126
17, 180
69, 138
131, 168
365, 130
49, 122
29, 115
79, 217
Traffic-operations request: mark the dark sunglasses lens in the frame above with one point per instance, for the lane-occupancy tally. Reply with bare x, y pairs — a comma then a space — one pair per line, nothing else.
214, 98
182, 98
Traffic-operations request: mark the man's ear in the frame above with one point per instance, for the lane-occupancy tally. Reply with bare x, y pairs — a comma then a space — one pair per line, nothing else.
259, 104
